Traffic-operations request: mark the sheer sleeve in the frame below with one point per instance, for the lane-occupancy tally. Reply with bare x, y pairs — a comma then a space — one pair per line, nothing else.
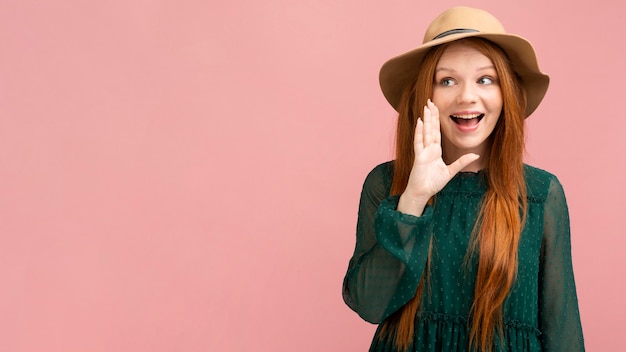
390, 253
559, 315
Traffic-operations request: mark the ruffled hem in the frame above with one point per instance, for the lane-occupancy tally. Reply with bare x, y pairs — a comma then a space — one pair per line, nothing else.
437, 332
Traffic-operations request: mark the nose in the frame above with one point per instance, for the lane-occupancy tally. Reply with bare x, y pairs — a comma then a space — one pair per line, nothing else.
467, 94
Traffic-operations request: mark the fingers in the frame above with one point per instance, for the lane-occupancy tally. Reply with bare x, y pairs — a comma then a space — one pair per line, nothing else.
461, 163
429, 136
427, 129
432, 128
436, 124
419, 137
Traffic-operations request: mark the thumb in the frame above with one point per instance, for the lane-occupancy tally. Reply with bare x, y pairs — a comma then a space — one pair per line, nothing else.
461, 163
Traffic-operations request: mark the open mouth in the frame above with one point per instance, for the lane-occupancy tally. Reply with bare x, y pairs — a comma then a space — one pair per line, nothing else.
467, 120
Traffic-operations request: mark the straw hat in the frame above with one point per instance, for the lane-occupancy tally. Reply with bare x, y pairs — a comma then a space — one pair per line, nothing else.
458, 23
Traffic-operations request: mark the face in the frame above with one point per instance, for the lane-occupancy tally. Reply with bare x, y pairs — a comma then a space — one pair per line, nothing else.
467, 92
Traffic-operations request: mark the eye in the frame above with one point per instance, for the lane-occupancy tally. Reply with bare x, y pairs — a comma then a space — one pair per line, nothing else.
446, 82
486, 80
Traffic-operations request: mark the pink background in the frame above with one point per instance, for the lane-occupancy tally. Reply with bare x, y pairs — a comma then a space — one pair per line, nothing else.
184, 175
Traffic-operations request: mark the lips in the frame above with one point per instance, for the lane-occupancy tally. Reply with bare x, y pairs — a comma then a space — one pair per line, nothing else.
467, 120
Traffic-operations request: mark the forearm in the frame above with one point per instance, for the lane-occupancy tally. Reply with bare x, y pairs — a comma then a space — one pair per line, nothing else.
382, 277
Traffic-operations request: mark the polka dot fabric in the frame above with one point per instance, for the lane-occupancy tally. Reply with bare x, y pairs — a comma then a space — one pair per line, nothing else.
541, 312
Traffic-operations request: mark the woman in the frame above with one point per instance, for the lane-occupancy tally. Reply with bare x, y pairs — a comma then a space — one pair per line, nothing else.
460, 245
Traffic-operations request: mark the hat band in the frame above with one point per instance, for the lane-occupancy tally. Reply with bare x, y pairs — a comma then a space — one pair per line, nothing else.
455, 31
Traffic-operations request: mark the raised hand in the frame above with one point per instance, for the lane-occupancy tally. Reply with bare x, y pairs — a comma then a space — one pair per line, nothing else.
429, 173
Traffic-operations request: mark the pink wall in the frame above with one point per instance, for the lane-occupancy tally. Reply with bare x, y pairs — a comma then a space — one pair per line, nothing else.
184, 175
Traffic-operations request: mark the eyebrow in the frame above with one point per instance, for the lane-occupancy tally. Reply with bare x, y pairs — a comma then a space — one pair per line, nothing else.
452, 70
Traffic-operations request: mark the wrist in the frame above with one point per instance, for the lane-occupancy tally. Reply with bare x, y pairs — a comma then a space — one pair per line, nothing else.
411, 204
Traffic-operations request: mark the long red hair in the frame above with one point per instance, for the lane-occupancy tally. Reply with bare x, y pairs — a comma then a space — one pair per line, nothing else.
496, 234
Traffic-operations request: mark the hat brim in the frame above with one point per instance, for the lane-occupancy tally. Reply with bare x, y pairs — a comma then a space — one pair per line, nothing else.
397, 73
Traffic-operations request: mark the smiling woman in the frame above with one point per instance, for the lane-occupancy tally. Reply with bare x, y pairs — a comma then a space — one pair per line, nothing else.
460, 245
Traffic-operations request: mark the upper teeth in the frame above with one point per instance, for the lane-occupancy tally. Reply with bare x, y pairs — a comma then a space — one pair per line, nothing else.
466, 117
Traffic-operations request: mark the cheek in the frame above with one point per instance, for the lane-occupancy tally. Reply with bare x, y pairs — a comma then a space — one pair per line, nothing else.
445, 124
438, 98
496, 101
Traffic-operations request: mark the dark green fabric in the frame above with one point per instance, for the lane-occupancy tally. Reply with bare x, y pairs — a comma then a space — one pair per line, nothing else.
541, 312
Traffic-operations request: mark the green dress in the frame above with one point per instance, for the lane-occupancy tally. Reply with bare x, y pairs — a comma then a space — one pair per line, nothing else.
541, 312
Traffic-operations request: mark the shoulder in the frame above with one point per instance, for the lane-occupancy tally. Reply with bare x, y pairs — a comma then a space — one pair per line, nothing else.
537, 174
384, 170
379, 179
540, 183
